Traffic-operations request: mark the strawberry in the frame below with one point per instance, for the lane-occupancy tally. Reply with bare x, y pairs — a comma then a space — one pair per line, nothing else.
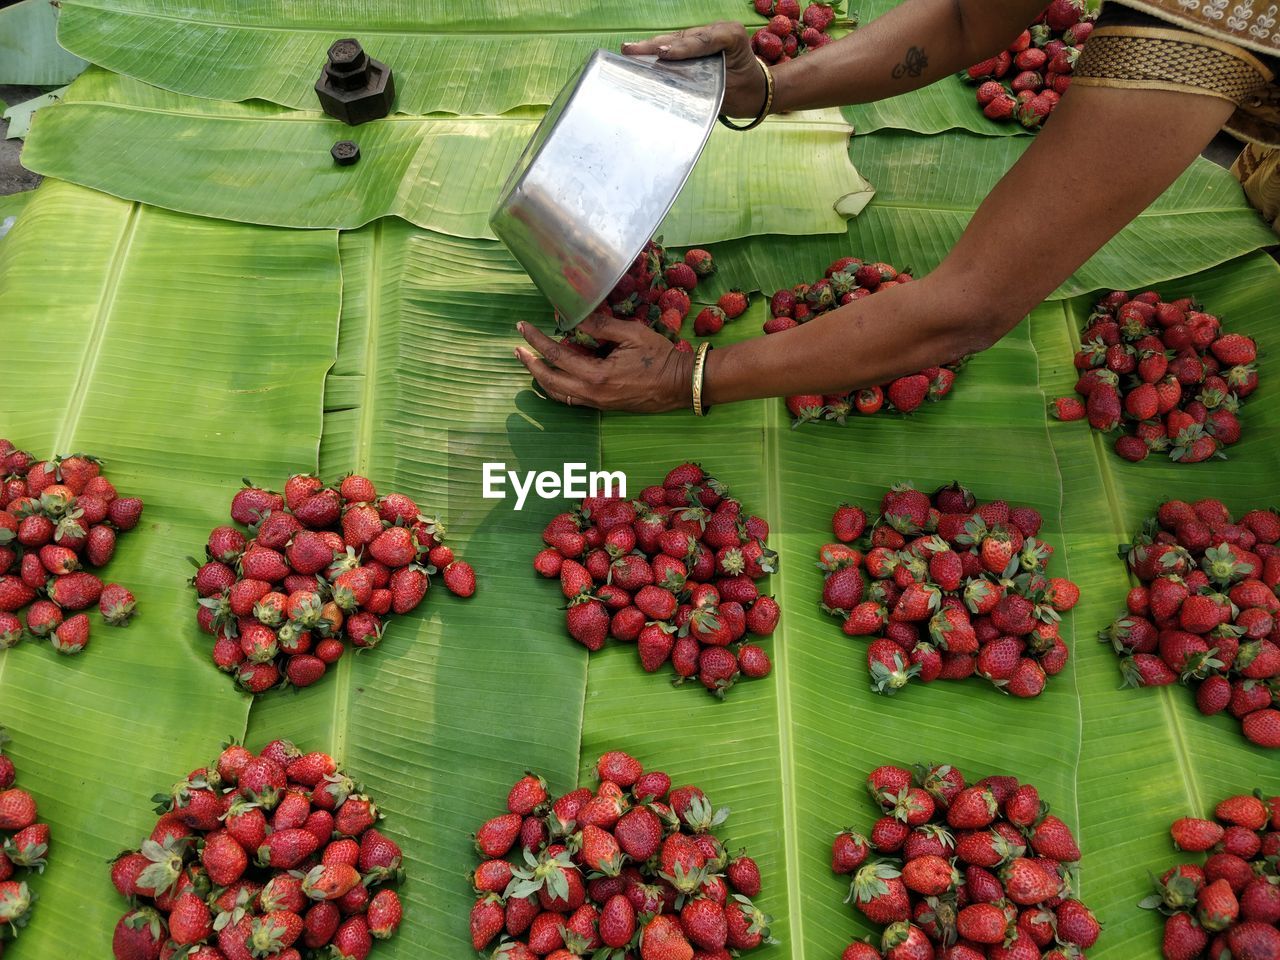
905, 941
1243, 810
681, 275
663, 939
1217, 906
1253, 939
384, 913
1184, 938
138, 935
1194, 834
352, 938
125, 512
498, 835
1053, 839
460, 578
734, 304
329, 880
116, 604
1262, 727
907, 393
879, 893
75, 591
72, 635
617, 922
982, 923
705, 924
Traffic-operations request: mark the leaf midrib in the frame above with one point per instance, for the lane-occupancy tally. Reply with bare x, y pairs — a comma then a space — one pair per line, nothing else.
1066, 565
364, 448
1106, 474
786, 755
97, 333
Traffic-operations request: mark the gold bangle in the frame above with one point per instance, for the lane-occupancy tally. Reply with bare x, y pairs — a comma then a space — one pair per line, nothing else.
764, 111
699, 371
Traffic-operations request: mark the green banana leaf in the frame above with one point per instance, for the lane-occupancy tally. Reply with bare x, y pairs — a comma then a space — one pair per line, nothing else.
479, 58
463, 695
12, 204
441, 719
19, 115
1148, 755
186, 353
260, 163
928, 187
29, 51
949, 104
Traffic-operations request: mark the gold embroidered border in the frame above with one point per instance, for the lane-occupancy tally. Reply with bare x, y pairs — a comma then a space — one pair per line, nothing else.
1151, 58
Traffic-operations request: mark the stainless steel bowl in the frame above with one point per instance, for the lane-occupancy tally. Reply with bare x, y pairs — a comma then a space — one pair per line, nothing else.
602, 171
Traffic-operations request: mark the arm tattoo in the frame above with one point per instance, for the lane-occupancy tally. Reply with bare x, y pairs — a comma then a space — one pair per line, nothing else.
914, 64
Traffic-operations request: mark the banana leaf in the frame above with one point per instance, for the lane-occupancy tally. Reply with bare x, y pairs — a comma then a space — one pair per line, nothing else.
457, 698
479, 58
19, 115
928, 187
29, 51
186, 353
260, 163
421, 392
11, 205
1149, 756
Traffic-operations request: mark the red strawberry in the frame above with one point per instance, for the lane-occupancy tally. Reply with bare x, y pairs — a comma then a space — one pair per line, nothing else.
982, 923
384, 913
1195, 835
72, 635
116, 604
1217, 906
1262, 727
1053, 839
907, 393
460, 578
1184, 938
139, 935
880, 894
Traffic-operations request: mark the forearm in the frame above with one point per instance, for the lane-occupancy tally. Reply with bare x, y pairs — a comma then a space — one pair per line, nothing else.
1008, 259
867, 342
910, 46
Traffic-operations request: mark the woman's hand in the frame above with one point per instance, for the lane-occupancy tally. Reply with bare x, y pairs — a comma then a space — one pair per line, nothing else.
744, 80
645, 373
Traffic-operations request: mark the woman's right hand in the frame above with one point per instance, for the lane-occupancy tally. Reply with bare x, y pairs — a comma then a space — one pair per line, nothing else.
744, 80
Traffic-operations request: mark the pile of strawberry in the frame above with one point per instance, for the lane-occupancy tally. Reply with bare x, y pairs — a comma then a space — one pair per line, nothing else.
320, 565
673, 572
56, 518
655, 291
1041, 61
846, 280
24, 845
259, 856
948, 587
790, 32
1206, 611
1163, 374
963, 871
1230, 904
634, 869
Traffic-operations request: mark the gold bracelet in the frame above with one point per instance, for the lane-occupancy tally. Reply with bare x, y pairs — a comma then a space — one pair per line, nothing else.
764, 111
699, 371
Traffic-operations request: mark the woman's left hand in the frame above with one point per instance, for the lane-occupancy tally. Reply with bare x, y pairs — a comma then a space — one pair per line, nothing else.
645, 373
